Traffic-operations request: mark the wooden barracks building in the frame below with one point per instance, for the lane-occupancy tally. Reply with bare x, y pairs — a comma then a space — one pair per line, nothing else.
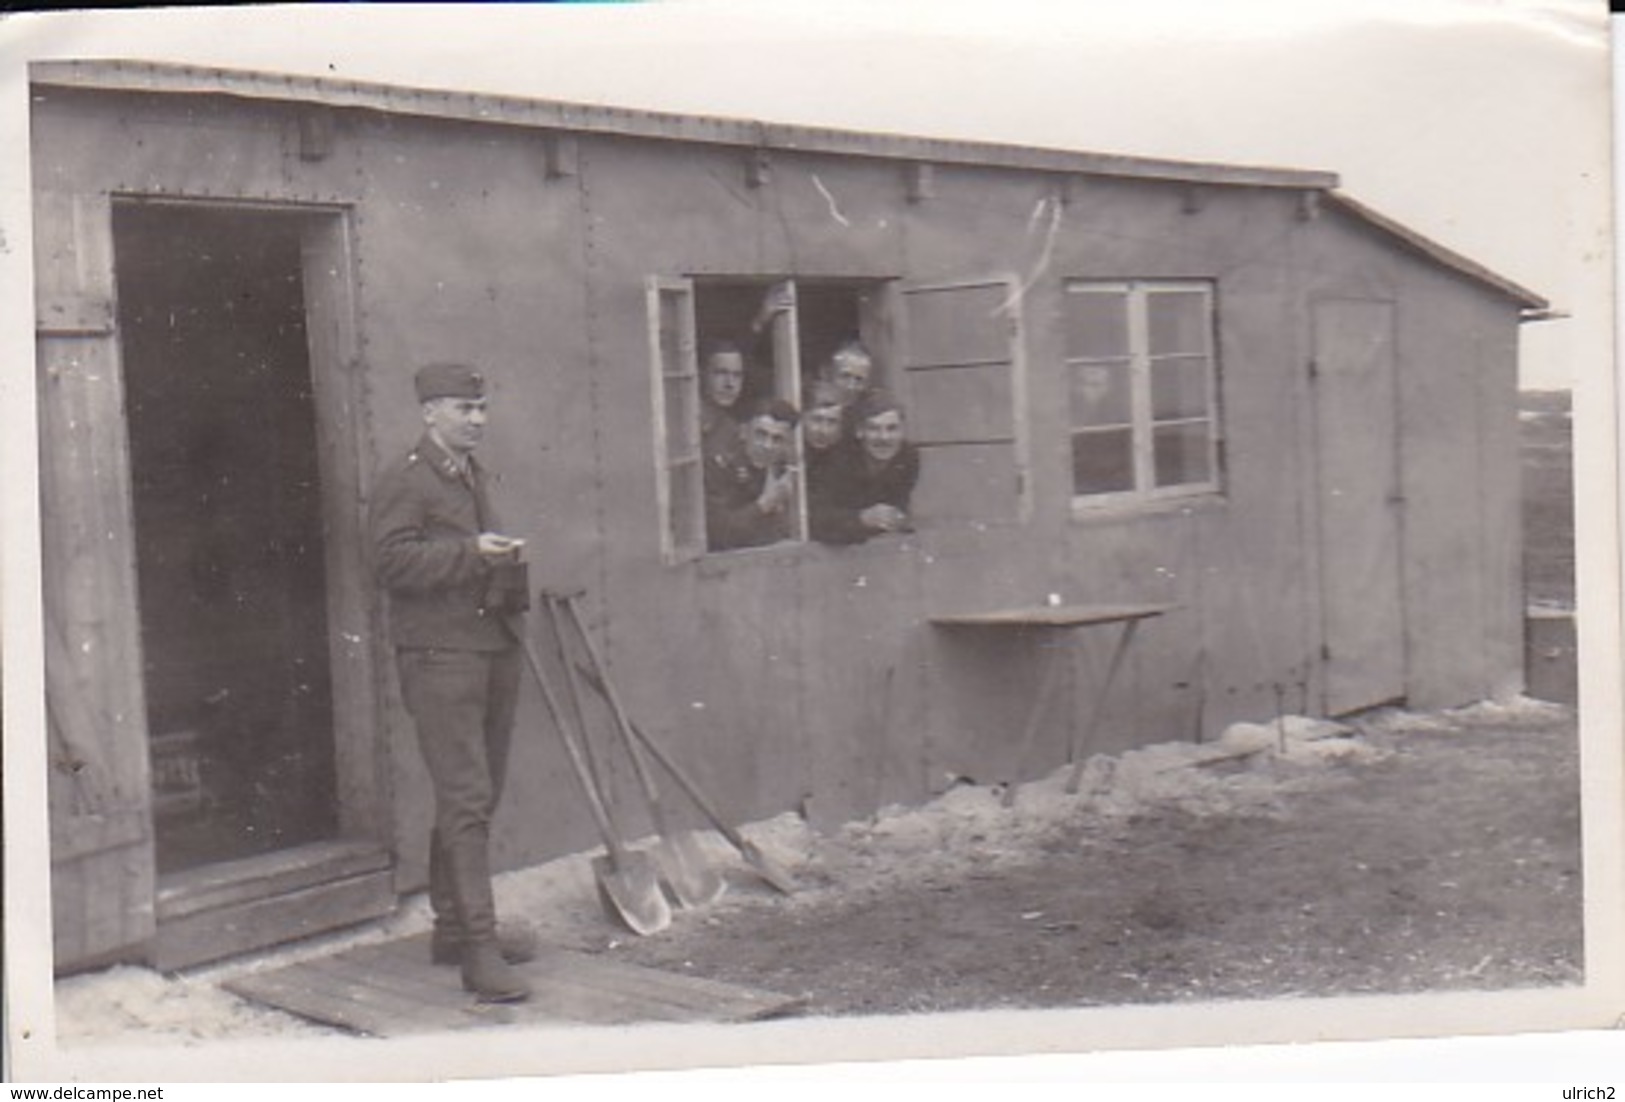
1275, 427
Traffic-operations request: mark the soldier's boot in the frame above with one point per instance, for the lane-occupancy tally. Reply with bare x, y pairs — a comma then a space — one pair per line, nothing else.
488, 976
485, 973
446, 943
517, 944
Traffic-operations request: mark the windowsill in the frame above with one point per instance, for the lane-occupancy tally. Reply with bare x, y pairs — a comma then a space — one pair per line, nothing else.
1085, 511
717, 563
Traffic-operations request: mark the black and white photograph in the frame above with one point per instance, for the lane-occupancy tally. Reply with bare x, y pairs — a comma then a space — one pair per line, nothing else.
597, 537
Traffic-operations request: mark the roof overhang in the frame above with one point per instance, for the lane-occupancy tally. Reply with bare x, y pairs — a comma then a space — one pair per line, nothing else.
157, 77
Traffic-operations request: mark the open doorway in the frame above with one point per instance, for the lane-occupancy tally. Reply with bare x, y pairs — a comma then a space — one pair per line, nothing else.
229, 532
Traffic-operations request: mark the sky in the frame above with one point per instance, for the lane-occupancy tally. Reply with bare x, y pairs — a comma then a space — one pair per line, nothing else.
1480, 123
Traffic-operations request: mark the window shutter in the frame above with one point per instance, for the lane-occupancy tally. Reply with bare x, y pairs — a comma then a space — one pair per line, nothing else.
102, 874
964, 387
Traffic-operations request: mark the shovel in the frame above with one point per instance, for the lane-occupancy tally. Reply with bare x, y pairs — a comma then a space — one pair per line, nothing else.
768, 869
684, 870
626, 880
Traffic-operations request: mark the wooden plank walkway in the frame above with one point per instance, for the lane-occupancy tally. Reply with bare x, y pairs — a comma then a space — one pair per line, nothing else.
390, 990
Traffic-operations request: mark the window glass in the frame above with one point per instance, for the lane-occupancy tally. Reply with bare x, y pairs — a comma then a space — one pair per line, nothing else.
1099, 393
1141, 385
1177, 322
687, 510
1096, 324
1179, 387
1103, 461
1182, 453
682, 420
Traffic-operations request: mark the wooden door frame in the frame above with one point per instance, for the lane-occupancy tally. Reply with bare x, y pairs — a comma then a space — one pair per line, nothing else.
288, 892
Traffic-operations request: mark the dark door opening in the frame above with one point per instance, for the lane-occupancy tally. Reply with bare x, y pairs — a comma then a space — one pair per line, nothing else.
229, 529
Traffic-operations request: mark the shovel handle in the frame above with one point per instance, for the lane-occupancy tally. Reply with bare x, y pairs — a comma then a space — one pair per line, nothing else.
606, 689
594, 800
689, 787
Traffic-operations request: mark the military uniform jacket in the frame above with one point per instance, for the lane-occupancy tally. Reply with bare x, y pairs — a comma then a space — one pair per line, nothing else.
732, 519
426, 519
848, 484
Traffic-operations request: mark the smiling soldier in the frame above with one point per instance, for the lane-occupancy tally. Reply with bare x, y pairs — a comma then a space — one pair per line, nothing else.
868, 492
750, 488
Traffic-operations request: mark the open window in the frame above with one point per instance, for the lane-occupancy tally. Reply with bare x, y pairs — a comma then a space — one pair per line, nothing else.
783, 331
1142, 384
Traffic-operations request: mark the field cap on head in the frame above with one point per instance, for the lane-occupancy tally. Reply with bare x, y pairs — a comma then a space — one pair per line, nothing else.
778, 409
448, 381
876, 402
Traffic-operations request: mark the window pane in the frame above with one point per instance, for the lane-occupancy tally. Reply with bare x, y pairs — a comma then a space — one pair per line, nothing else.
1179, 387
687, 507
681, 423
1099, 393
1096, 324
673, 305
1182, 453
1102, 462
1177, 321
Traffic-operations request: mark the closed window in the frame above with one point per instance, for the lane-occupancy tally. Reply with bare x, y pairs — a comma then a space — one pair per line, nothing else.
1142, 390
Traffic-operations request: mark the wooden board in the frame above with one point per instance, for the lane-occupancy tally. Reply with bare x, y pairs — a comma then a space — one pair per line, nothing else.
391, 990
103, 871
240, 927
1057, 616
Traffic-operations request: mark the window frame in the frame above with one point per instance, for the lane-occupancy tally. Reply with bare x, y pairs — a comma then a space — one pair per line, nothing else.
1142, 422
788, 376
657, 289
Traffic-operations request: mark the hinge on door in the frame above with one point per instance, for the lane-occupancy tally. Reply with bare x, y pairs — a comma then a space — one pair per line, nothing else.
1325, 652
1314, 369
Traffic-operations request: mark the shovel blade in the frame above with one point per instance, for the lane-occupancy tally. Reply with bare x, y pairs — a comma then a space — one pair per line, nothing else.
691, 879
630, 891
767, 868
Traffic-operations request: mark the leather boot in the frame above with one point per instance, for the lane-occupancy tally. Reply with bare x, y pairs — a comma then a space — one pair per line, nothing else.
517, 944
446, 943
490, 977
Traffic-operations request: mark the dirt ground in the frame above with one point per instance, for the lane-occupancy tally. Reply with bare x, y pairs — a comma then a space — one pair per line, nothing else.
1412, 854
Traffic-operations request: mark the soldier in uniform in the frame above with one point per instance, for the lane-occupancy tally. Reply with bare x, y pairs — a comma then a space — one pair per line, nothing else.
828, 452
723, 372
454, 617
750, 486
867, 493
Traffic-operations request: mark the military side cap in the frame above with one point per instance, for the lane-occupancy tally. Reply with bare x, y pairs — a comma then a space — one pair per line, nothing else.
449, 381
876, 402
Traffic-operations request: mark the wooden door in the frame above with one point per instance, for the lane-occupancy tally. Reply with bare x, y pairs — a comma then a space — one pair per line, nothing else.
1362, 618
102, 868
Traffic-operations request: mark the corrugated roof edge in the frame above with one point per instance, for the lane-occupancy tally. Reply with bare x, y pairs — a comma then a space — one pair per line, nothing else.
162, 77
